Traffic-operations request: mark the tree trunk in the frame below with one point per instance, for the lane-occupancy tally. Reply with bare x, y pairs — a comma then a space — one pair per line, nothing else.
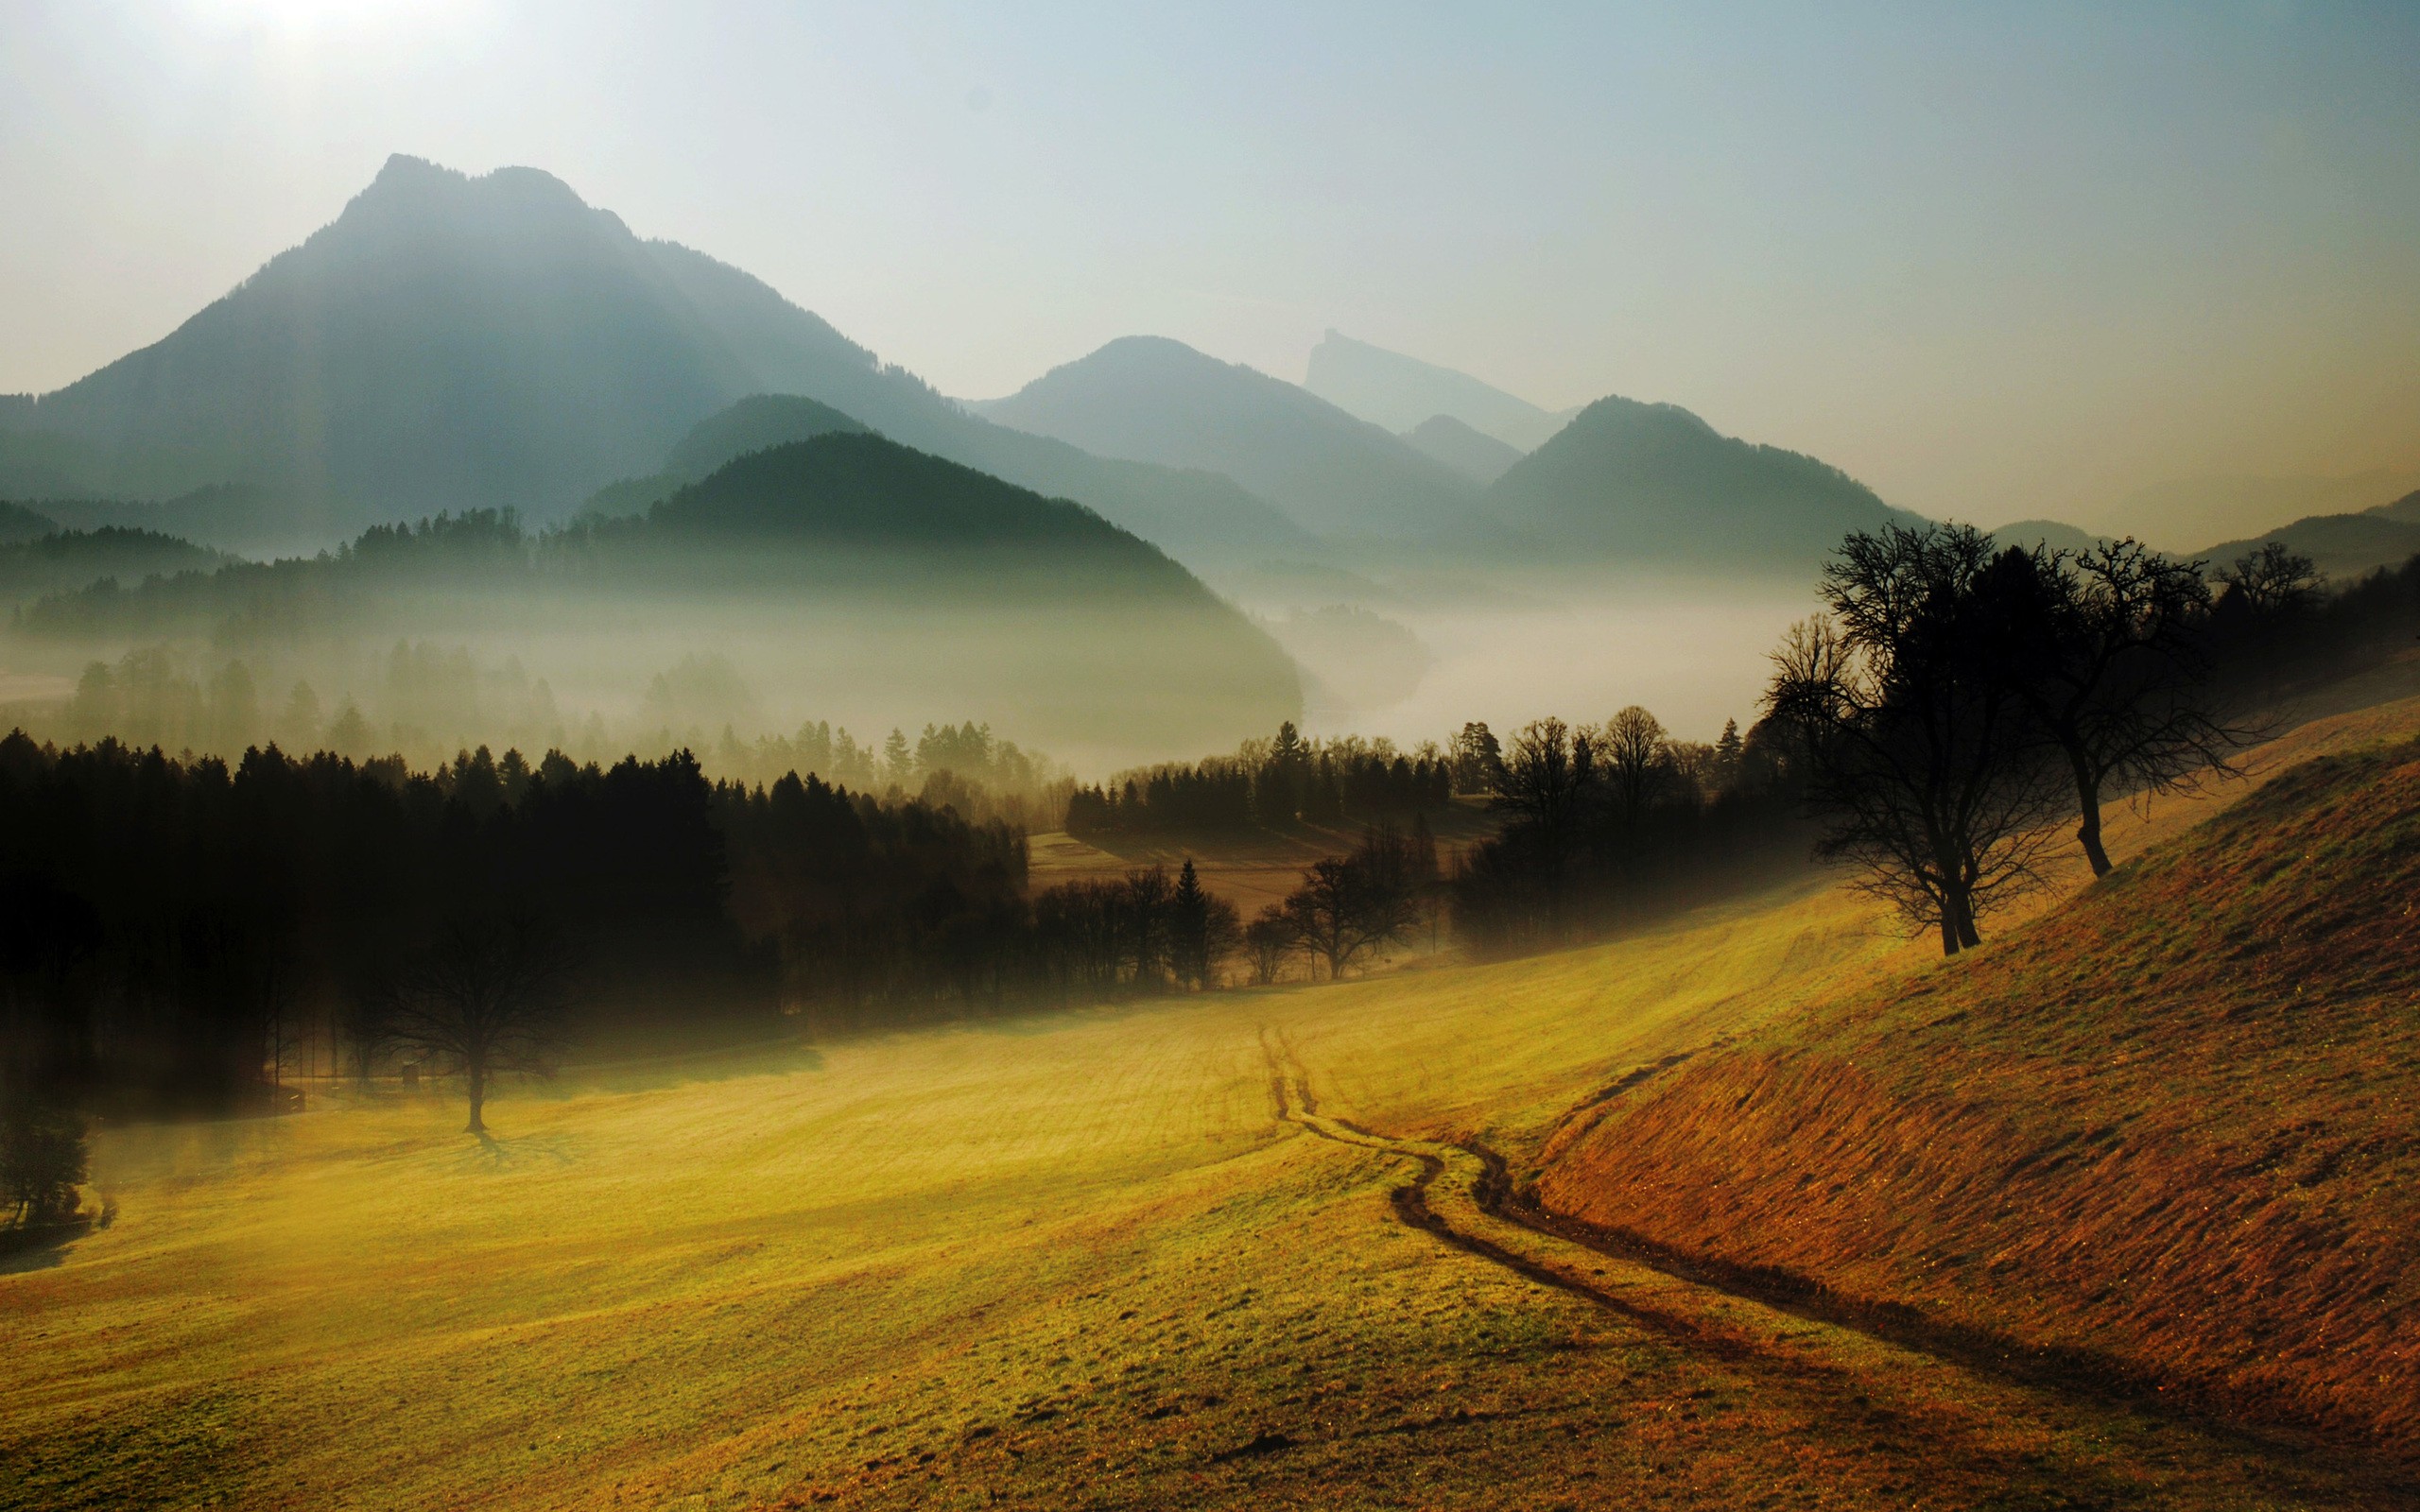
1957, 931
478, 1077
2088, 804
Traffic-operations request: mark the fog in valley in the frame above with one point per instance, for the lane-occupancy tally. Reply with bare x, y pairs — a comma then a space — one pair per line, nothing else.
778, 755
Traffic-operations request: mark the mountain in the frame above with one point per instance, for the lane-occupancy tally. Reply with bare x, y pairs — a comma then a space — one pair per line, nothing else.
452, 342
1399, 392
2177, 513
1654, 483
855, 491
2406, 509
2055, 533
756, 423
1154, 400
2344, 546
1475, 455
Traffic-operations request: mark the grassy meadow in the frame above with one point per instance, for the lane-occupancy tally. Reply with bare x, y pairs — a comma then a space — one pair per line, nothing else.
1098, 1259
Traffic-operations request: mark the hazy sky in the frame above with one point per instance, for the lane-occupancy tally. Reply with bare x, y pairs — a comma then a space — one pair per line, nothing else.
1996, 260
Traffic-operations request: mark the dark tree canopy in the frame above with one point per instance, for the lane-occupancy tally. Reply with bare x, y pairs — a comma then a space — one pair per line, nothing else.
1924, 763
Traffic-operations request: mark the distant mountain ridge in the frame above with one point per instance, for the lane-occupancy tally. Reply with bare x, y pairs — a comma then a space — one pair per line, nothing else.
452, 342
1154, 400
1390, 389
1474, 454
1632, 482
2344, 546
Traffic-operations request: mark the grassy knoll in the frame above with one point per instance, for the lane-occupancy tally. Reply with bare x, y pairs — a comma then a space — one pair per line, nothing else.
1084, 1261
2167, 1127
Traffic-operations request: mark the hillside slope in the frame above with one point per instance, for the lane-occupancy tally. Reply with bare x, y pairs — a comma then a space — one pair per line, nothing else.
1628, 481
2165, 1129
1152, 400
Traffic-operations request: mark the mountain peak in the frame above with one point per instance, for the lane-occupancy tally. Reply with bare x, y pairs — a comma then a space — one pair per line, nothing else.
1151, 398
406, 186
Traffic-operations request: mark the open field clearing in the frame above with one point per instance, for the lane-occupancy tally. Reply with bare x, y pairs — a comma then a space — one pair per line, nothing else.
1145, 1258
1251, 871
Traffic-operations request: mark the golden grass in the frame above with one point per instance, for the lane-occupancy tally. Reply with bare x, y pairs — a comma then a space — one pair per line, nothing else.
2169, 1124
1073, 1261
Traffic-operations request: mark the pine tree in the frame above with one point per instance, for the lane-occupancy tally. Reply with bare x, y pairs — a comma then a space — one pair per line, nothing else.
1189, 921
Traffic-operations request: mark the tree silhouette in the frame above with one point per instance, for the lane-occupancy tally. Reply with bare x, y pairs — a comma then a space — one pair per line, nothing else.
1920, 754
2272, 580
2106, 649
42, 1157
489, 992
1350, 905
1633, 751
1267, 940
1204, 930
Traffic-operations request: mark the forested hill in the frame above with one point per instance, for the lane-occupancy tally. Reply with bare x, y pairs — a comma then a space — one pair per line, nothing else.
1652, 483
853, 493
846, 561
451, 342
848, 511
1154, 400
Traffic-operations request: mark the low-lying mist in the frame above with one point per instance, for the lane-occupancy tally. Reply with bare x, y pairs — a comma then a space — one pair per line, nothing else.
1691, 649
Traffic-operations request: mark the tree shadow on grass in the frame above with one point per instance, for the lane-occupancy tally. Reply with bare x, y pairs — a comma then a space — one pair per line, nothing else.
519, 1152
42, 1247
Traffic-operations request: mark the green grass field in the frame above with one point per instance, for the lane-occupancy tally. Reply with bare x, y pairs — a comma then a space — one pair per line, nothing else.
1105, 1259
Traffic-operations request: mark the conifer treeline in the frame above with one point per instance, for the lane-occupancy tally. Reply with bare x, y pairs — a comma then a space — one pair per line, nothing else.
181, 933
1268, 783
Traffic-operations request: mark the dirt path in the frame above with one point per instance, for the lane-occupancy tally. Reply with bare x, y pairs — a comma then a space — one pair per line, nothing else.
1815, 1349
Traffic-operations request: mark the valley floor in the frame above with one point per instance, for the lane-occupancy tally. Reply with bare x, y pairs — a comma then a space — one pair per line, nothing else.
1231, 1250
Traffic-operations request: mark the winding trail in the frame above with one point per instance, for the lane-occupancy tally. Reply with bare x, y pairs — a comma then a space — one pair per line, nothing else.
1820, 1350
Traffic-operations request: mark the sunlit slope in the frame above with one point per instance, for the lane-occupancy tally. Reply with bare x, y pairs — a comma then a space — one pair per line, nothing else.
2168, 1123
1083, 1235
1076, 1261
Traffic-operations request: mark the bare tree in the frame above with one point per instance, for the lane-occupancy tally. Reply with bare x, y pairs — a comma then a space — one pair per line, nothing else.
1350, 905
1545, 782
1267, 940
2274, 580
1633, 751
2104, 647
1147, 935
489, 992
1923, 759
